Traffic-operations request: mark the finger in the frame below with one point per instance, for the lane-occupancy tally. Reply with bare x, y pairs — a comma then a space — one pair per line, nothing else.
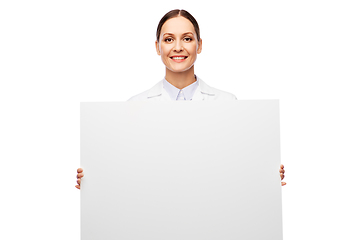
80, 170
80, 175
281, 166
283, 183
282, 170
79, 181
77, 186
282, 176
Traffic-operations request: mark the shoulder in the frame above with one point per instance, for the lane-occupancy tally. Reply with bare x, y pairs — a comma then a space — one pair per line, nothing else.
214, 93
148, 94
140, 96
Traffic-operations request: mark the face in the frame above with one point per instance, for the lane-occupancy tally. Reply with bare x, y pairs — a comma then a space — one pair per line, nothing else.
178, 45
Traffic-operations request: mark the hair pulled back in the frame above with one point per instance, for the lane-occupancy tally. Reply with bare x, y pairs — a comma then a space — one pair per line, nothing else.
178, 13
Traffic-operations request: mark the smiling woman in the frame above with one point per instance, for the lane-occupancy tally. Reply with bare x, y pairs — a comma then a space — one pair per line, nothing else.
178, 42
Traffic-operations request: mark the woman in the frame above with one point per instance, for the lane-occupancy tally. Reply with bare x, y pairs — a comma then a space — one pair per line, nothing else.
178, 42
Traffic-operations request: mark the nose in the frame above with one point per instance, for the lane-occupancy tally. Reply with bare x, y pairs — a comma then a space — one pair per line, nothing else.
178, 46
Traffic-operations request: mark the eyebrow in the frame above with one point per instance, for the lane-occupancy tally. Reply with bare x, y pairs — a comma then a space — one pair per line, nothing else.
174, 34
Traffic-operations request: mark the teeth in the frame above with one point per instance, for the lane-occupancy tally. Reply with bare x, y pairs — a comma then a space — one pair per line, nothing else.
178, 58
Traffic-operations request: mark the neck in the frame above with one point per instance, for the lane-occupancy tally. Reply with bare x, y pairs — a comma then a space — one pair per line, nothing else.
180, 79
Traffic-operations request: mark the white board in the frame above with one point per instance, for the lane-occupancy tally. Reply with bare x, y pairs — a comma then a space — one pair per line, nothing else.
181, 170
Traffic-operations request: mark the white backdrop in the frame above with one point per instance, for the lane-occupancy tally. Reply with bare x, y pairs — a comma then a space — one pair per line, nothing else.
56, 54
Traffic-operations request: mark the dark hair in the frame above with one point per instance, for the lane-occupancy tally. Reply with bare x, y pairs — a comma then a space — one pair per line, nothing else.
178, 13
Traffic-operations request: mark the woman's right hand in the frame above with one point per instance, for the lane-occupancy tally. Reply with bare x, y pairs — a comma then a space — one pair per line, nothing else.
79, 176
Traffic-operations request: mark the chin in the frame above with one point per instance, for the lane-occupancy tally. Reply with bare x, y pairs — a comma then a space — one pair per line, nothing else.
180, 70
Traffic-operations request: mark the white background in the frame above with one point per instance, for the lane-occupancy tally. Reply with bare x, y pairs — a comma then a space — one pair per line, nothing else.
56, 54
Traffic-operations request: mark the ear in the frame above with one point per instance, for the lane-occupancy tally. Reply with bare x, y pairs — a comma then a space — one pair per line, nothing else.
157, 48
199, 46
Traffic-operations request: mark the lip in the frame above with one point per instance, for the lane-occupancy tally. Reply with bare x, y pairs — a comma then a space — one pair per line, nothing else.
178, 60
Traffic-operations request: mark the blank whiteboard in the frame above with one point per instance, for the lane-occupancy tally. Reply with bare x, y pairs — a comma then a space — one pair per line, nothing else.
206, 170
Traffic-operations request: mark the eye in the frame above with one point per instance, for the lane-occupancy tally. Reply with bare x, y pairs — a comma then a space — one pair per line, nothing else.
168, 40
187, 39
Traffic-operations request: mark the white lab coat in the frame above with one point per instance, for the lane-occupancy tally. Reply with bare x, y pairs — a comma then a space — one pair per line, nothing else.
202, 92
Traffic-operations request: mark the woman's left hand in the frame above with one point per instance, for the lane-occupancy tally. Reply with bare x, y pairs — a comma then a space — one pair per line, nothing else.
282, 171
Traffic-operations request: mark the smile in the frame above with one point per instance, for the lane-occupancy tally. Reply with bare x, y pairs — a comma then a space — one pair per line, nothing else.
178, 58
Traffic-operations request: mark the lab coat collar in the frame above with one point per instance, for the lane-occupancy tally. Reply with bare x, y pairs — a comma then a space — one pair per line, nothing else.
202, 91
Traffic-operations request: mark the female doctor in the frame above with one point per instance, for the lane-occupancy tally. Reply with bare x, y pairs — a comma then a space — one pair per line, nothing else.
178, 42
